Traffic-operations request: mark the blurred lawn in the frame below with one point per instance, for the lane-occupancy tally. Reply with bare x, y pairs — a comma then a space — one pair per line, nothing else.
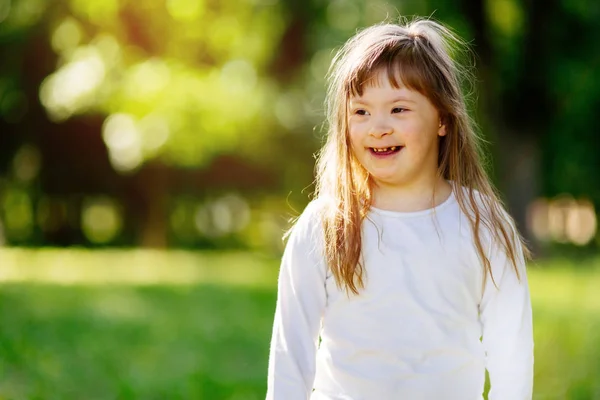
81, 324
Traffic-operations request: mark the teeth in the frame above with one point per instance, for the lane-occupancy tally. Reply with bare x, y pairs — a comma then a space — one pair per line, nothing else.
382, 150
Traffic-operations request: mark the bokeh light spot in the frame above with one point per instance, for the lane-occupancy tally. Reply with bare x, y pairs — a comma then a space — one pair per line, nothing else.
155, 132
24, 13
122, 138
109, 49
506, 16
26, 163
18, 213
67, 36
238, 76
119, 131
101, 219
563, 220
537, 219
185, 10
225, 215
96, 11
72, 87
581, 223
147, 79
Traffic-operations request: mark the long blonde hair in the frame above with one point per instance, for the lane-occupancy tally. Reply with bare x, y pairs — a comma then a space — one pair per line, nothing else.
422, 54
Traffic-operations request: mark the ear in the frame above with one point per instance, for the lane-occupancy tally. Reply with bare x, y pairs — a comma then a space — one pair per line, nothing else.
442, 129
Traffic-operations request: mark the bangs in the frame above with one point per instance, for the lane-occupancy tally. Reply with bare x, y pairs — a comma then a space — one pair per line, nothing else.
404, 64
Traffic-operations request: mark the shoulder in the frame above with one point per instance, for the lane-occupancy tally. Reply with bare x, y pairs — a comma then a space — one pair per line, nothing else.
308, 226
488, 206
305, 240
474, 197
492, 215
311, 217
494, 232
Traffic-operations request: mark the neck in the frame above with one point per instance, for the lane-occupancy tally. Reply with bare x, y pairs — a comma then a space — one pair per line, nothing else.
410, 198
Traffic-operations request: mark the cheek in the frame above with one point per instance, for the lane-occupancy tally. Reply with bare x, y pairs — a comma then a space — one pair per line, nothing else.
354, 137
413, 139
420, 134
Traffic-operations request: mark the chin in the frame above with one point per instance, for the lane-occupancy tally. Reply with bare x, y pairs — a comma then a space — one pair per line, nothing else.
387, 180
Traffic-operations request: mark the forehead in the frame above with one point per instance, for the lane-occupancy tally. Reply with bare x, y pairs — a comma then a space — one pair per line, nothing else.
380, 86
390, 77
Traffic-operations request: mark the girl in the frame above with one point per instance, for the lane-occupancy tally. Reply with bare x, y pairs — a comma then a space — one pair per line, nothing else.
404, 278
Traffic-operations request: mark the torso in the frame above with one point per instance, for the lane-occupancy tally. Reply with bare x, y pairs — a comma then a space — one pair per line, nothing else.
416, 320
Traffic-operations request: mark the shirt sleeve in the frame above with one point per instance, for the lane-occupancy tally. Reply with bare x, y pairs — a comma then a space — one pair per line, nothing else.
506, 317
301, 298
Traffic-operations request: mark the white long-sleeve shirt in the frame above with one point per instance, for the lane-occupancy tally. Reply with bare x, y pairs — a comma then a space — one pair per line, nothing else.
424, 326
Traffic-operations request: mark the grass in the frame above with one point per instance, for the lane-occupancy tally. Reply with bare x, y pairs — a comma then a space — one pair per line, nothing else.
566, 306
102, 325
201, 342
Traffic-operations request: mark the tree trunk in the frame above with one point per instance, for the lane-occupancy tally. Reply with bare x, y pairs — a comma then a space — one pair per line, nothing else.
516, 146
519, 178
151, 193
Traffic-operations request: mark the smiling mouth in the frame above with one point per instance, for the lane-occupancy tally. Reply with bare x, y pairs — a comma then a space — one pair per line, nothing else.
384, 151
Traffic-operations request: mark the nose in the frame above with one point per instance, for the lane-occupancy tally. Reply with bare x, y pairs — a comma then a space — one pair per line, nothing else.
380, 128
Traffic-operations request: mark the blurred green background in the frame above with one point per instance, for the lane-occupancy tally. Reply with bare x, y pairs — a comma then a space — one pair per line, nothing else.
153, 151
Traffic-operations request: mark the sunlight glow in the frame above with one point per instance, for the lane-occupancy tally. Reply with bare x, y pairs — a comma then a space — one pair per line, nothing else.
122, 137
155, 131
147, 79
238, 76
133, 267
563, 220
109, 49
72, 87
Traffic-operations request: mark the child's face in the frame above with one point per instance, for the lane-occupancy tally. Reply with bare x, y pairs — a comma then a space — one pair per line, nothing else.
394, 134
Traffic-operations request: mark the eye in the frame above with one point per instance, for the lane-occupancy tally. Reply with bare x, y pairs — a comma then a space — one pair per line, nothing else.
360, 111
398, 110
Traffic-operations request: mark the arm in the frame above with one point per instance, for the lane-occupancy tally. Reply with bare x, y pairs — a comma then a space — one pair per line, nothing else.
301, 300
505, 313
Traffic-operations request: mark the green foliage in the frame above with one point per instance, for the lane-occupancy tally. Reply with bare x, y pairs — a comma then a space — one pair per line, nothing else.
188, 82
181, 80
